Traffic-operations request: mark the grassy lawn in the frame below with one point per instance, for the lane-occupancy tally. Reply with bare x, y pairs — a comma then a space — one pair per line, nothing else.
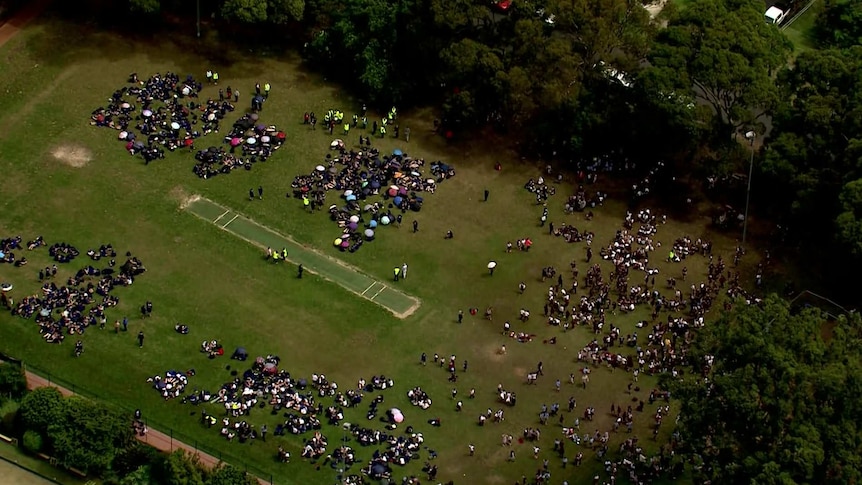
14, 466
801, 31
219, 285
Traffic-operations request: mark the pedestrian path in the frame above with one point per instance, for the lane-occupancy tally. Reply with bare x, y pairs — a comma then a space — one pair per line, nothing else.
312, 260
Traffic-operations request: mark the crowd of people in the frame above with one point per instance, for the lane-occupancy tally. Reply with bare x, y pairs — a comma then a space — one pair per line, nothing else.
83, 301
374, 189
166, 113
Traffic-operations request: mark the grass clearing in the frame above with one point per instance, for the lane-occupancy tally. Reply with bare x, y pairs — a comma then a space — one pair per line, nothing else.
219, 286
801, 31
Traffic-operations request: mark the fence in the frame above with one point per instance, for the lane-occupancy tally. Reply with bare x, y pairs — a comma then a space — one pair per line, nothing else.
177, 439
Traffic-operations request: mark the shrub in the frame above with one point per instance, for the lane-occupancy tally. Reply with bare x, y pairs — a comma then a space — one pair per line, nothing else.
8, 413
32, 441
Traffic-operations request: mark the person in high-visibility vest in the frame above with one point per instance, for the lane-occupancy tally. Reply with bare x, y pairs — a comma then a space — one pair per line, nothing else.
346, 128
215, 77
266, 88
284, 253
382, 131
355, 119
397, 272
306, 202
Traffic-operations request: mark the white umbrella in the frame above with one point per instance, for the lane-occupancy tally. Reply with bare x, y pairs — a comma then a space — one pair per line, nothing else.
320, 168
431, 181
147, 113
123, 135
354, 218
6, 287
125, 106
251, 140
265, 138
211, 116
175, 125
186, 91
348, 192
492, 265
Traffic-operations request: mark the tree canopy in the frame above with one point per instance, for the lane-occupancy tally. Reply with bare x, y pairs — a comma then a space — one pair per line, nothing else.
840, 23
13, 384
780, 401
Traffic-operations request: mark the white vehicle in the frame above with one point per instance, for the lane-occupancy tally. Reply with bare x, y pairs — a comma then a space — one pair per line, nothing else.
774, 15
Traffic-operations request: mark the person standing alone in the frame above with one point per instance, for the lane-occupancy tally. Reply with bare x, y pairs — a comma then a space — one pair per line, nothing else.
404, 271
141, 339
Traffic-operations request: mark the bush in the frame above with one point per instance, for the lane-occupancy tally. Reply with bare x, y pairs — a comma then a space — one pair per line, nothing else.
8, 413
32, 441
13, 384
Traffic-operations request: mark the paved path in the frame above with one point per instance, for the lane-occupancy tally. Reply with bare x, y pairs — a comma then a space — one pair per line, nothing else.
13, 474
332, 269
14, 25
154, 438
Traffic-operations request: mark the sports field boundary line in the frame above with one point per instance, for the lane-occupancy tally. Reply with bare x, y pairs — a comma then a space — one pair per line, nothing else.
378, 286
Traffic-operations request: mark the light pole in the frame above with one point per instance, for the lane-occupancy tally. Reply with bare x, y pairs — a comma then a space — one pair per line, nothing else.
750, 136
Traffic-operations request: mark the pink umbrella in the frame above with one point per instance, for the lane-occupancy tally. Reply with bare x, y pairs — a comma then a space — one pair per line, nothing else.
393, 192
235, 141
398, 418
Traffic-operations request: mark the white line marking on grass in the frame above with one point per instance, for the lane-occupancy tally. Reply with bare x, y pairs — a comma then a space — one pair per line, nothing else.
219, 217
381, 290
369, 287
228, 222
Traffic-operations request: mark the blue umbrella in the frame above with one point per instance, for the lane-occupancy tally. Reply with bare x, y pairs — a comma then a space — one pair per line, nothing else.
372, 224
398, 200
375, 184
350, 198
398, 152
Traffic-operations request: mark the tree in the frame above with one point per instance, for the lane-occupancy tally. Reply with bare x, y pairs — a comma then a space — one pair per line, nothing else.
145, 6
88, 435
780, 402
247, 11
850, 220
13, 383
721, 51
178, 468
225, 474
839, 23
32, 441
816, 146
40, 408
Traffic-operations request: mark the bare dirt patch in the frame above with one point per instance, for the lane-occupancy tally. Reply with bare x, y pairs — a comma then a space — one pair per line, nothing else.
72, 155
182, 197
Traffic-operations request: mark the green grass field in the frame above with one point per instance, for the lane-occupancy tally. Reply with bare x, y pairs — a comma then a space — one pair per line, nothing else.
219, 284
801, 31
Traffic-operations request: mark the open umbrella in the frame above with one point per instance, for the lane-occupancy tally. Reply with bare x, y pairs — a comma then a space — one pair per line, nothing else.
398, 418
348, 192
345, 244
260, 127
372, 224
281, 135
492, 264
350, 198
398, 152
369, 233
337, 242
384, 220
398, 200
211, 117
8, 286
175, 125
186, 91
353, 226
393, 192
265, 139
251, 140
320, 168
125, 106
254, 117
235, 141
354, 218
147, 113
123, 135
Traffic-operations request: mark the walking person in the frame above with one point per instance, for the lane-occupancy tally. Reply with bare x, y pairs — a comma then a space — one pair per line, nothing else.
460, 316
263, 430
250, 194
415, 226
260, 192
141, 339
487, 193
404, 271
397, 272
299, 271
125, 324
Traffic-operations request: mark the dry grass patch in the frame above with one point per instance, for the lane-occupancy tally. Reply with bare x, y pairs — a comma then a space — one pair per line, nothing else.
74, 156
